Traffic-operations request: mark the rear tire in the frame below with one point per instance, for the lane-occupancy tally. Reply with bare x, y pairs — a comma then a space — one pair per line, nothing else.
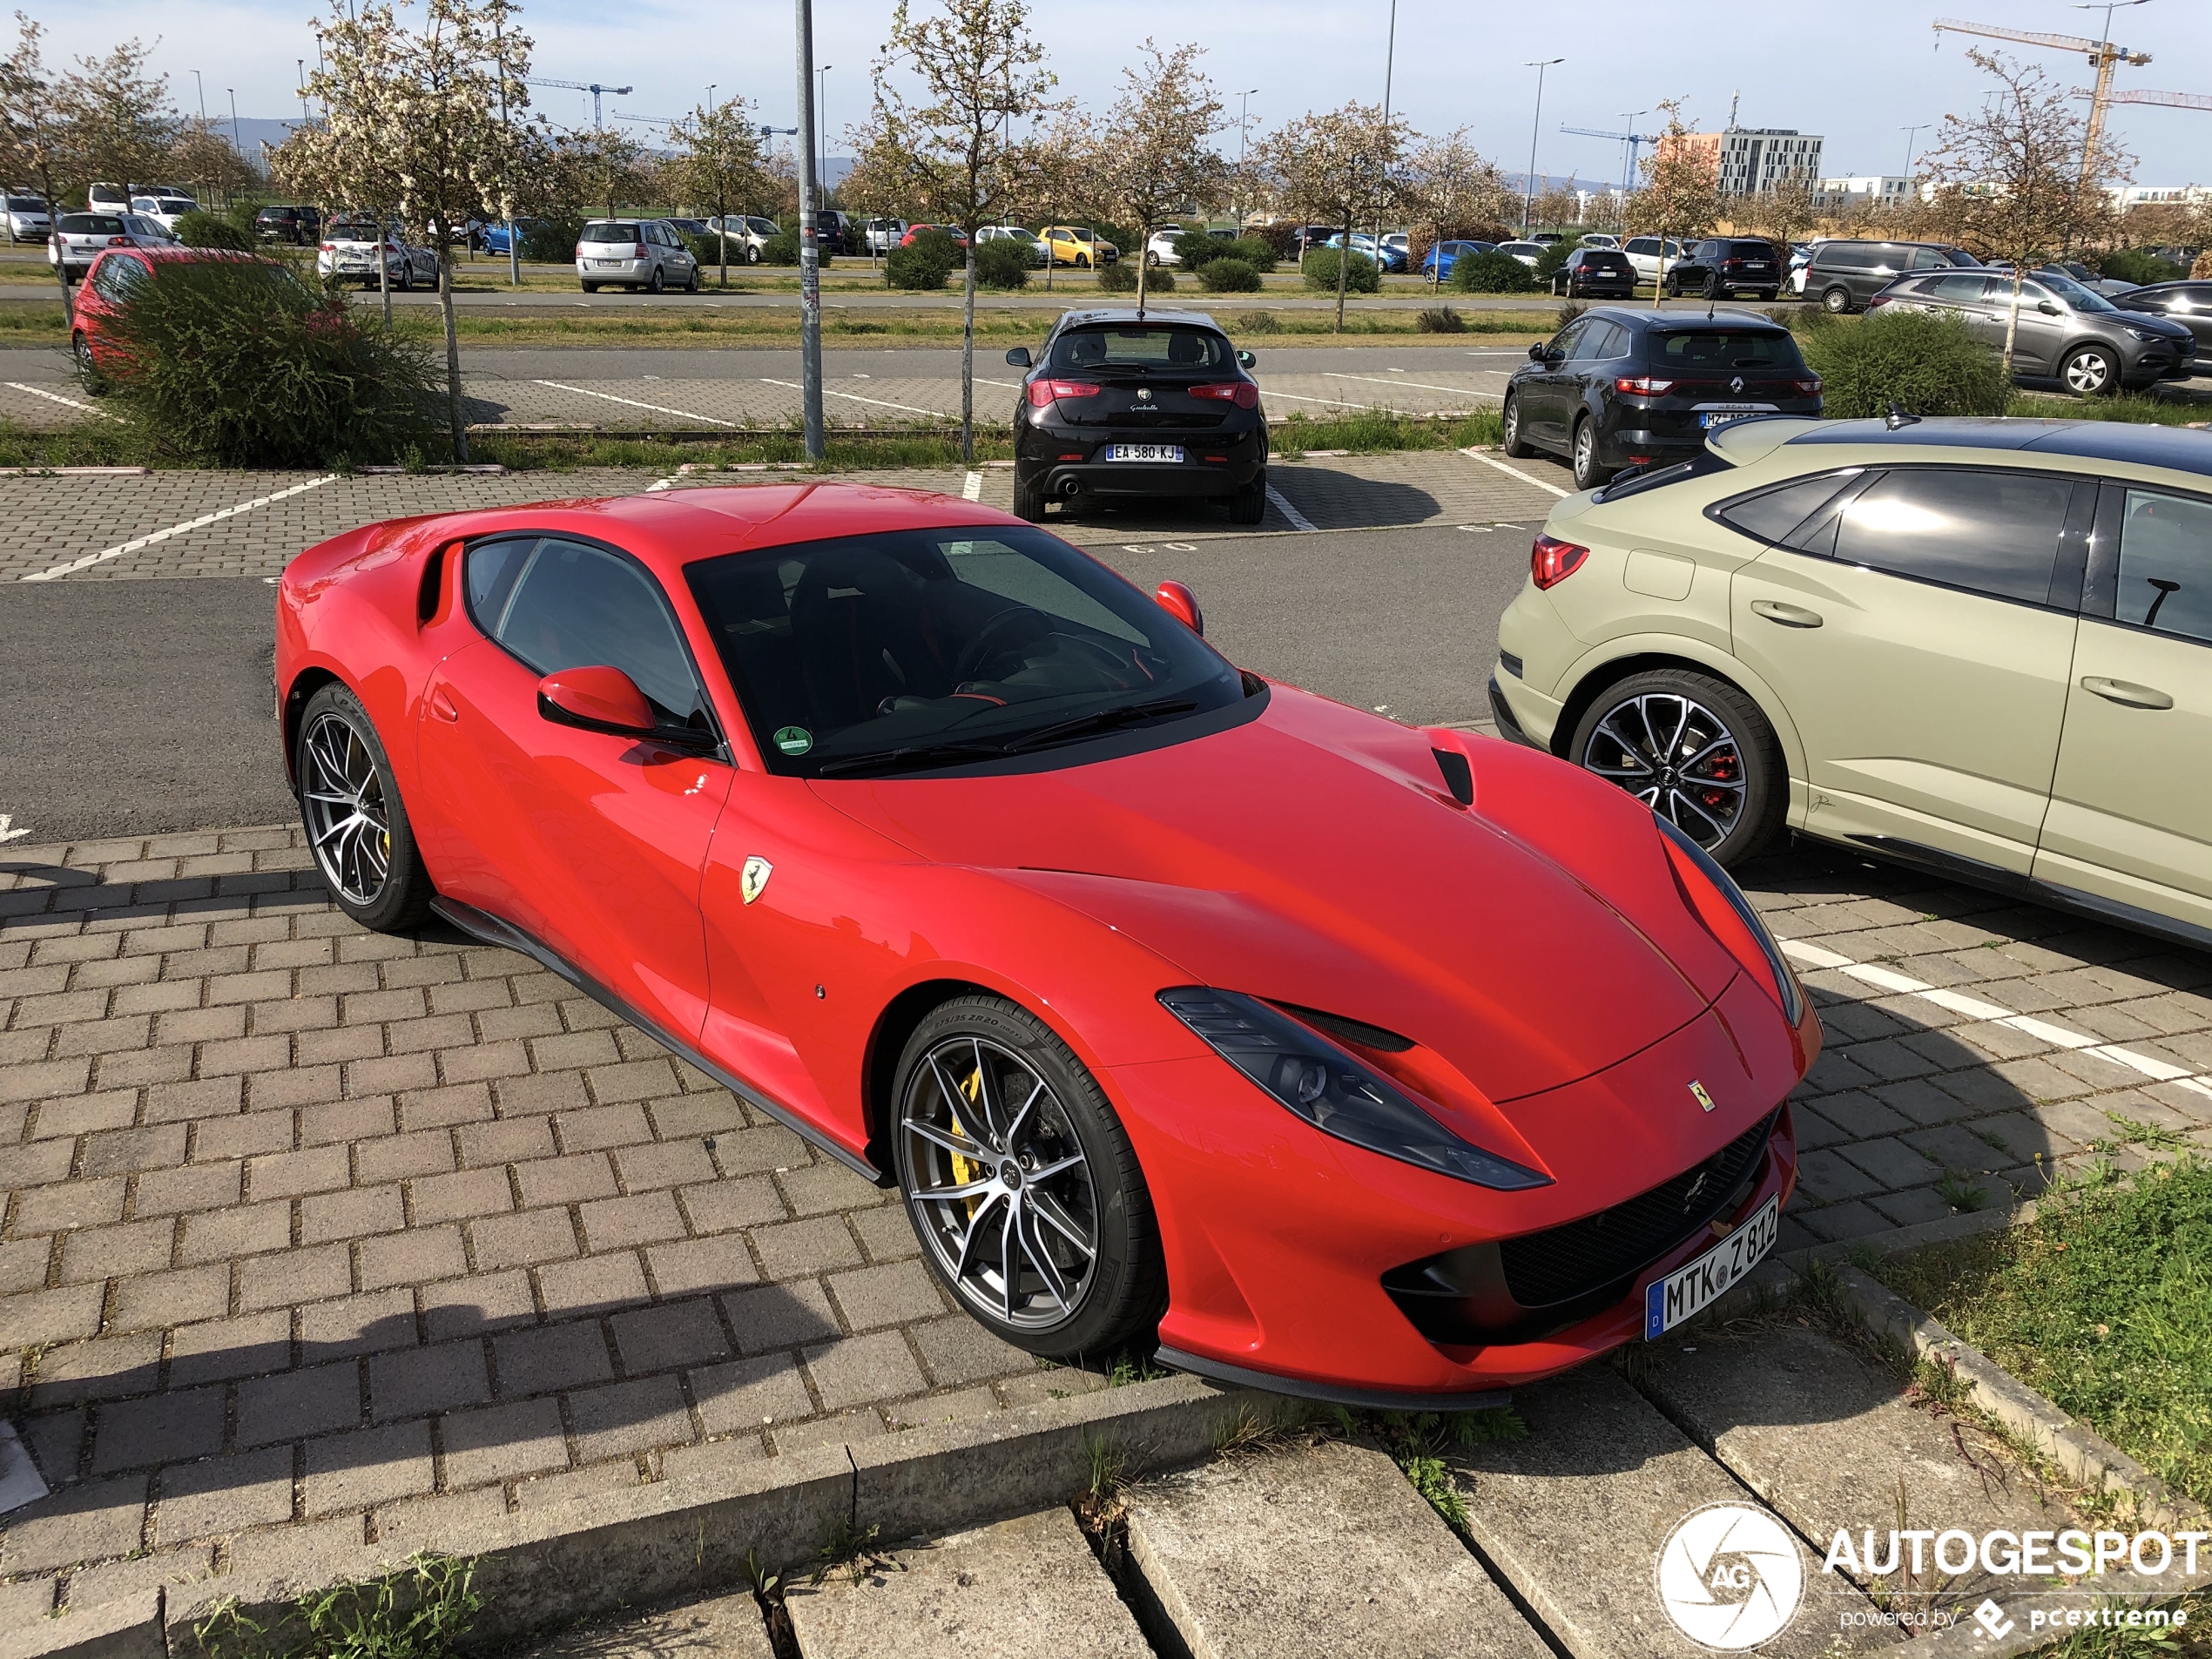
357, 825
1249, 506
1732, 800
1514, 446
591, 287
1089, 1278
1588, 472
1028, 499
1837, 300
657, 283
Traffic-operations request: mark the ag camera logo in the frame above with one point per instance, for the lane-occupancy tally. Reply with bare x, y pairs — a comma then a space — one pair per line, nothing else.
1730, 1577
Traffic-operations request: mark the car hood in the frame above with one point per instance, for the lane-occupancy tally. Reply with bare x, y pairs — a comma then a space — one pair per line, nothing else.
1313, 856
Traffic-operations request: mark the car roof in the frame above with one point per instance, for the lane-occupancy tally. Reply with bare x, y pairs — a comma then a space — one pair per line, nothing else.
2176, 448
1665, 322
1130, 314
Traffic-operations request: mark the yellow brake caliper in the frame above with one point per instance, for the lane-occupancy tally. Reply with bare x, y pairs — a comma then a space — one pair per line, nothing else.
965, 1169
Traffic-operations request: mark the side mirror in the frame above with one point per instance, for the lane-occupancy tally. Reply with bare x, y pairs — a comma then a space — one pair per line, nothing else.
596, 699
1245, 360
2046, 308
1183, 604
1019, 357
1539, 353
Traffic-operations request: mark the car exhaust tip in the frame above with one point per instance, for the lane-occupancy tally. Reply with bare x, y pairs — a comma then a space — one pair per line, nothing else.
1068, 488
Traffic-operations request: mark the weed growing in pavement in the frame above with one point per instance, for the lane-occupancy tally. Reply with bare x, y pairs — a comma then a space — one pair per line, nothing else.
1109, 1469
420, 1610
2103, 1303
2157, 1136
1420, 1443
850, 1547
1961, 1192
2119, 1642
1130, 1367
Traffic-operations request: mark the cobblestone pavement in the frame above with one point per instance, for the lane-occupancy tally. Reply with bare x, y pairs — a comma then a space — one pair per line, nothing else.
313, 1233
69, 522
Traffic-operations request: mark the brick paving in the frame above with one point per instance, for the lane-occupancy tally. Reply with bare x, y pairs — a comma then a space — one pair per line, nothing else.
53, 521
314, 1234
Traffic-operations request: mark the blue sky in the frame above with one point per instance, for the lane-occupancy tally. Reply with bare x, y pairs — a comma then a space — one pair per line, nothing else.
1857, 74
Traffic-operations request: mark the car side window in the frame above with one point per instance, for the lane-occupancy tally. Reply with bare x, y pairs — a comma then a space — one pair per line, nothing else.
1776, 515
1988, 531
1958, 289
1642, 245
2166, 564
553, 604
1565, 342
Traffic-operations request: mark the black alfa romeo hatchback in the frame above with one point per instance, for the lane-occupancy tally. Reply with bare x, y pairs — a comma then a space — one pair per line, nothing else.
1121, 403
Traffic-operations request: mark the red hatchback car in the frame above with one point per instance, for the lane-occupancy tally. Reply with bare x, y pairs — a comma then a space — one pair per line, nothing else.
107, 286
1386, 1066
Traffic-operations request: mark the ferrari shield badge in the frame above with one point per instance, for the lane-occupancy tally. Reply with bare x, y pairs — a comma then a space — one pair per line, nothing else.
753, 881
1696, 1089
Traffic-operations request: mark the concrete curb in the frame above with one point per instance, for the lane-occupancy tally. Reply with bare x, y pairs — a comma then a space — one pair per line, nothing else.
693, 1534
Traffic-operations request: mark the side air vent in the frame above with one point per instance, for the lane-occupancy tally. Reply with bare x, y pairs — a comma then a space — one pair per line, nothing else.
1459, 776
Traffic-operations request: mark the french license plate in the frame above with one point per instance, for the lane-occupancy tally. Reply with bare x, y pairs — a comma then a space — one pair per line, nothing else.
1144, 452
1722, 414
1688, 1291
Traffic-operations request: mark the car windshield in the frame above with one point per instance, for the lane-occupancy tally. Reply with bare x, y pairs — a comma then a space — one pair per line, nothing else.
912, 649
1017, 235
604, 231
1140, 347
1727, 348
2074, 294
92, 224
25, 205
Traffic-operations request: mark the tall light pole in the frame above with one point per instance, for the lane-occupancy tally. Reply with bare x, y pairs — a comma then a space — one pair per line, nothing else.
513, 242
1628, 152
203, 93
1912, 136
237, 143
1390, 64
810, 254
302, 64
1243, 138
822, 111
1528, 180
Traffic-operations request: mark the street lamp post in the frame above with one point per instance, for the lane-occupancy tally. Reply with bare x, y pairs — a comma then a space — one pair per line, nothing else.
810, 257
1390, 64
1243, 138
1628, 152
821, 111
1528, 181
237, 143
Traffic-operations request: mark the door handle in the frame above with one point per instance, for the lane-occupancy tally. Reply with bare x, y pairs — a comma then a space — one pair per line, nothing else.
2126, 692
443, 707
1788, 616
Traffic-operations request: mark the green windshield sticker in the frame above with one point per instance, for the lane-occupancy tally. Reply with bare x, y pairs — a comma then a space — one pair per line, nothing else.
794, 740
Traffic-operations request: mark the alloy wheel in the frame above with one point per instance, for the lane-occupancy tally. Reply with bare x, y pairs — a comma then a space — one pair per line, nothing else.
1000, 1187
1585, 453
1677, 757
2087, 373
348, 821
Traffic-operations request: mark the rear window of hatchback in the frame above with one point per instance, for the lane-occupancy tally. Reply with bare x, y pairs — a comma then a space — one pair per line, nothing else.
91, 224
1727, 348
610, 232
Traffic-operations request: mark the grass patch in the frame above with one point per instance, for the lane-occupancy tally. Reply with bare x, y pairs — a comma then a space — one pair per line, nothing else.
2103, 1303
2145, 408
1375, 431
90, 443
564, 453
422, 1610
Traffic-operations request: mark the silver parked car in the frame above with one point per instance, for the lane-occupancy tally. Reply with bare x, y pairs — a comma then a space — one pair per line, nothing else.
164, 207
747, 232
634, 253
2065, 332
81, 238
28, 220
348, 254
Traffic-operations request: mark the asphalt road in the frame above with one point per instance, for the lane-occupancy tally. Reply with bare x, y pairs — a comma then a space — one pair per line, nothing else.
137, 708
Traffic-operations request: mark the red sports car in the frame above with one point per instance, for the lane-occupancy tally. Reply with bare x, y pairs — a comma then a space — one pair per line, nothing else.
1380, 1065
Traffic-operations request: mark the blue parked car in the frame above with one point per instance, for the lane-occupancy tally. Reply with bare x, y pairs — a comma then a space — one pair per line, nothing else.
492, 237
1438, 265
1388, 258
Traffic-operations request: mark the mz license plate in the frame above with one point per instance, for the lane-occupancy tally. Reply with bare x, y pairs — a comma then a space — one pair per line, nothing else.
1143, 452
1690, 1290
1722, 414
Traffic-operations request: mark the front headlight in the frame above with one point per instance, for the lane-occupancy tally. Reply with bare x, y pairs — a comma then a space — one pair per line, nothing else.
2146, 333
1328, 1089
1785, 982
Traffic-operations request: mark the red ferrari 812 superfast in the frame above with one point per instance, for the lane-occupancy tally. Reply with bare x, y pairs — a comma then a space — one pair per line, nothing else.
1380, 1065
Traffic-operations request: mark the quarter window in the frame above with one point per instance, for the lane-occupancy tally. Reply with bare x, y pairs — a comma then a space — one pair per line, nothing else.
1774, 515
2166, 564
1992, 532
553, 604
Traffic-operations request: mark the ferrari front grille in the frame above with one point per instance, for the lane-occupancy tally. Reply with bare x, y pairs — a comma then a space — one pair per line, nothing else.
1563, 1263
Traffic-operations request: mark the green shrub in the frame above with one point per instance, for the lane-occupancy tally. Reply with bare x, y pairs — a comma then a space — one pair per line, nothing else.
782, 249
1229, 275
1927, 362
707, 250
1442, 320
924, 263
550, 241
198, 229
1197, 249
2139, 265
1320, 269
1120, 279
1554, 256
243, 363
1002, 265
1259, 322
1254, 251
1491, 273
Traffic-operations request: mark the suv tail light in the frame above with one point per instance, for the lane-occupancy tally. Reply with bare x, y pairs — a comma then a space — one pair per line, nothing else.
579, 250
1808, 387
1552, 561
1243, 393
1878, 302
639, 253
1042, 393
1643, 384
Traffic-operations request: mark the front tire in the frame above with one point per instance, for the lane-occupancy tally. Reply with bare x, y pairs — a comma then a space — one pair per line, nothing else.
2089, 371
357, 825
1694, 748
692, 282
1673, 285
1515, 447
1712, 289
1021, 1185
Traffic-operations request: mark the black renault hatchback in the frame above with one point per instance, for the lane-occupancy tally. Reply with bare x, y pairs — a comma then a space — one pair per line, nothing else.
1120, 403
1617, 388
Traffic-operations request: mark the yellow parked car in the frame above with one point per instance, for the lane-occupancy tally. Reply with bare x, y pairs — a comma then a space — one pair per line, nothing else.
1982, 647
1078, 245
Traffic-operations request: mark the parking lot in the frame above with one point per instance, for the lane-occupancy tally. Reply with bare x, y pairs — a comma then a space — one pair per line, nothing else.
307, 1226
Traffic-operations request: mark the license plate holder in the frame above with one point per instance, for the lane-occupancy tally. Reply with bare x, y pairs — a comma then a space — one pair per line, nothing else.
1696, 1285
1169, 453
1712, 414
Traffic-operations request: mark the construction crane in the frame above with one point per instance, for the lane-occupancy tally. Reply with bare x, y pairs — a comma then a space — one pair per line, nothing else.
2170, 101
1632, 139
2102, 55
592, 87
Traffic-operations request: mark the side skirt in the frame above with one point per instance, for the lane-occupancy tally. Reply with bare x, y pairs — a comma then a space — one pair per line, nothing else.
483, 925
1381, 1400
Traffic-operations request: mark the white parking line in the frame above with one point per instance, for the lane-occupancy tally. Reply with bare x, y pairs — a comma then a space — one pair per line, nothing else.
1427, 385
201, 522
8, 832
1891, 982
1526, 478
854, 397
1298, 521
56, 397
585, 391
972, 488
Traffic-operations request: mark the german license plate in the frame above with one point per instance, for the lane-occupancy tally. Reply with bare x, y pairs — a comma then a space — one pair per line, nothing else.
1722, 414
609, 264
1755, 264
1144, 452
1688, 1291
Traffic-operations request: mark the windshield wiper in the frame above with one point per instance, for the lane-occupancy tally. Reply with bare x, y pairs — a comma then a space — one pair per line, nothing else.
1085, 726
914, 756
